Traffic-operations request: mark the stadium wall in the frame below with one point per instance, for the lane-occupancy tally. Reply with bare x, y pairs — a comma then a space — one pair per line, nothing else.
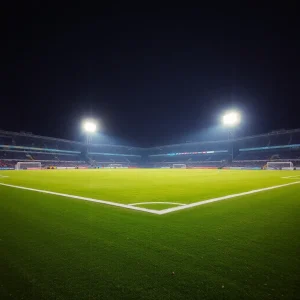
285, 144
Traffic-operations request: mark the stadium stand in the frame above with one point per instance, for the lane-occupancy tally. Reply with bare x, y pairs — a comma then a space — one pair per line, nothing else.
275, 146
54, 152
247, 152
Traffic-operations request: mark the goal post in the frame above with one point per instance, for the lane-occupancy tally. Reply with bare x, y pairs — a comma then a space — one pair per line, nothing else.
280, 165
179, 166
22, 165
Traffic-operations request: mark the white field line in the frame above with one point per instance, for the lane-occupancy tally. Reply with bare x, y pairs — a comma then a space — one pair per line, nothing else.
291, 176
144, 203
2, 176
156, 212
168, 210
83, 198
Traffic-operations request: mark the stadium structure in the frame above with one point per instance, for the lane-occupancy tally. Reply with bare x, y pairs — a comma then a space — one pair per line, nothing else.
252, 152
132, 225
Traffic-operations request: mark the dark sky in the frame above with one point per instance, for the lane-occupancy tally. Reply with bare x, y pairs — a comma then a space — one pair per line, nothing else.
151, 76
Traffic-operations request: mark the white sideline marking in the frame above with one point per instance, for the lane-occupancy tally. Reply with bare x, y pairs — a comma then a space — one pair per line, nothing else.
291, 176
2, 176
168, 210
83, 198
142, 203
152, 211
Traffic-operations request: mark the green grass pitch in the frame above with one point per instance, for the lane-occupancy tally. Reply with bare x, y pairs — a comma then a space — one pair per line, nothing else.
54, 247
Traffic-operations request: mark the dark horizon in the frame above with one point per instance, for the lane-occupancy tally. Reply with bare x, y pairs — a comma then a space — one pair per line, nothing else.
150, 78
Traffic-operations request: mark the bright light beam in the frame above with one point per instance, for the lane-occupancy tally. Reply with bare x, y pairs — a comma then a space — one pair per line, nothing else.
89, 126
231, 118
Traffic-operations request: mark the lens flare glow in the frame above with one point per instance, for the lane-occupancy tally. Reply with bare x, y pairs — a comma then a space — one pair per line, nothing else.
89, 126
231, 118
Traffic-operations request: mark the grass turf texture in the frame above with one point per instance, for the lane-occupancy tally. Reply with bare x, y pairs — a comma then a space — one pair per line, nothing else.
62, 248
134, 186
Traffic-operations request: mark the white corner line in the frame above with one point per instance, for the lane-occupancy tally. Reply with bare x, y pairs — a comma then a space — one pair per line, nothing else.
291, 176
145, 203
151, 211
168, 210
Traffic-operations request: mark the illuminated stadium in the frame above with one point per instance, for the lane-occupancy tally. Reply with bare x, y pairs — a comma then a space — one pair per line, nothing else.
253, 152
149, 154
218, 211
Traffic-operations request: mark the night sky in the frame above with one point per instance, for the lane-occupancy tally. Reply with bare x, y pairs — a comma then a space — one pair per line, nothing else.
151, 77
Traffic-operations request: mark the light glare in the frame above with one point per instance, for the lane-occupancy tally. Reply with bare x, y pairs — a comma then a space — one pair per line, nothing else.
89, 126
231, 119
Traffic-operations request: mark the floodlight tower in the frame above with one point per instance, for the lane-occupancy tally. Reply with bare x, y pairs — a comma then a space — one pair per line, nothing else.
231, 120
89, 127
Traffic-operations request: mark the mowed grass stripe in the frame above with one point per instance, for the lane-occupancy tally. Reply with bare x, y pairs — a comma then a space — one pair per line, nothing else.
82, 198
158, 212
168, 210
55, 249
143, 185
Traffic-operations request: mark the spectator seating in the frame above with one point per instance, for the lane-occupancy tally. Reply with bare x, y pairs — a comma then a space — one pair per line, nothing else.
280, 145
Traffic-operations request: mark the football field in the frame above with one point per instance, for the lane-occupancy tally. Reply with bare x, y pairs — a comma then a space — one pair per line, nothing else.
149, 234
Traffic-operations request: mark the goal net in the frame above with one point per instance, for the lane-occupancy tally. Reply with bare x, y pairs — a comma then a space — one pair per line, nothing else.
179, 166
115, 166
280, 165
28, 165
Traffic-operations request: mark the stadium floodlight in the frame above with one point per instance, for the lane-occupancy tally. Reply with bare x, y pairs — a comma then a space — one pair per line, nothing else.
232, 118
89, 126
